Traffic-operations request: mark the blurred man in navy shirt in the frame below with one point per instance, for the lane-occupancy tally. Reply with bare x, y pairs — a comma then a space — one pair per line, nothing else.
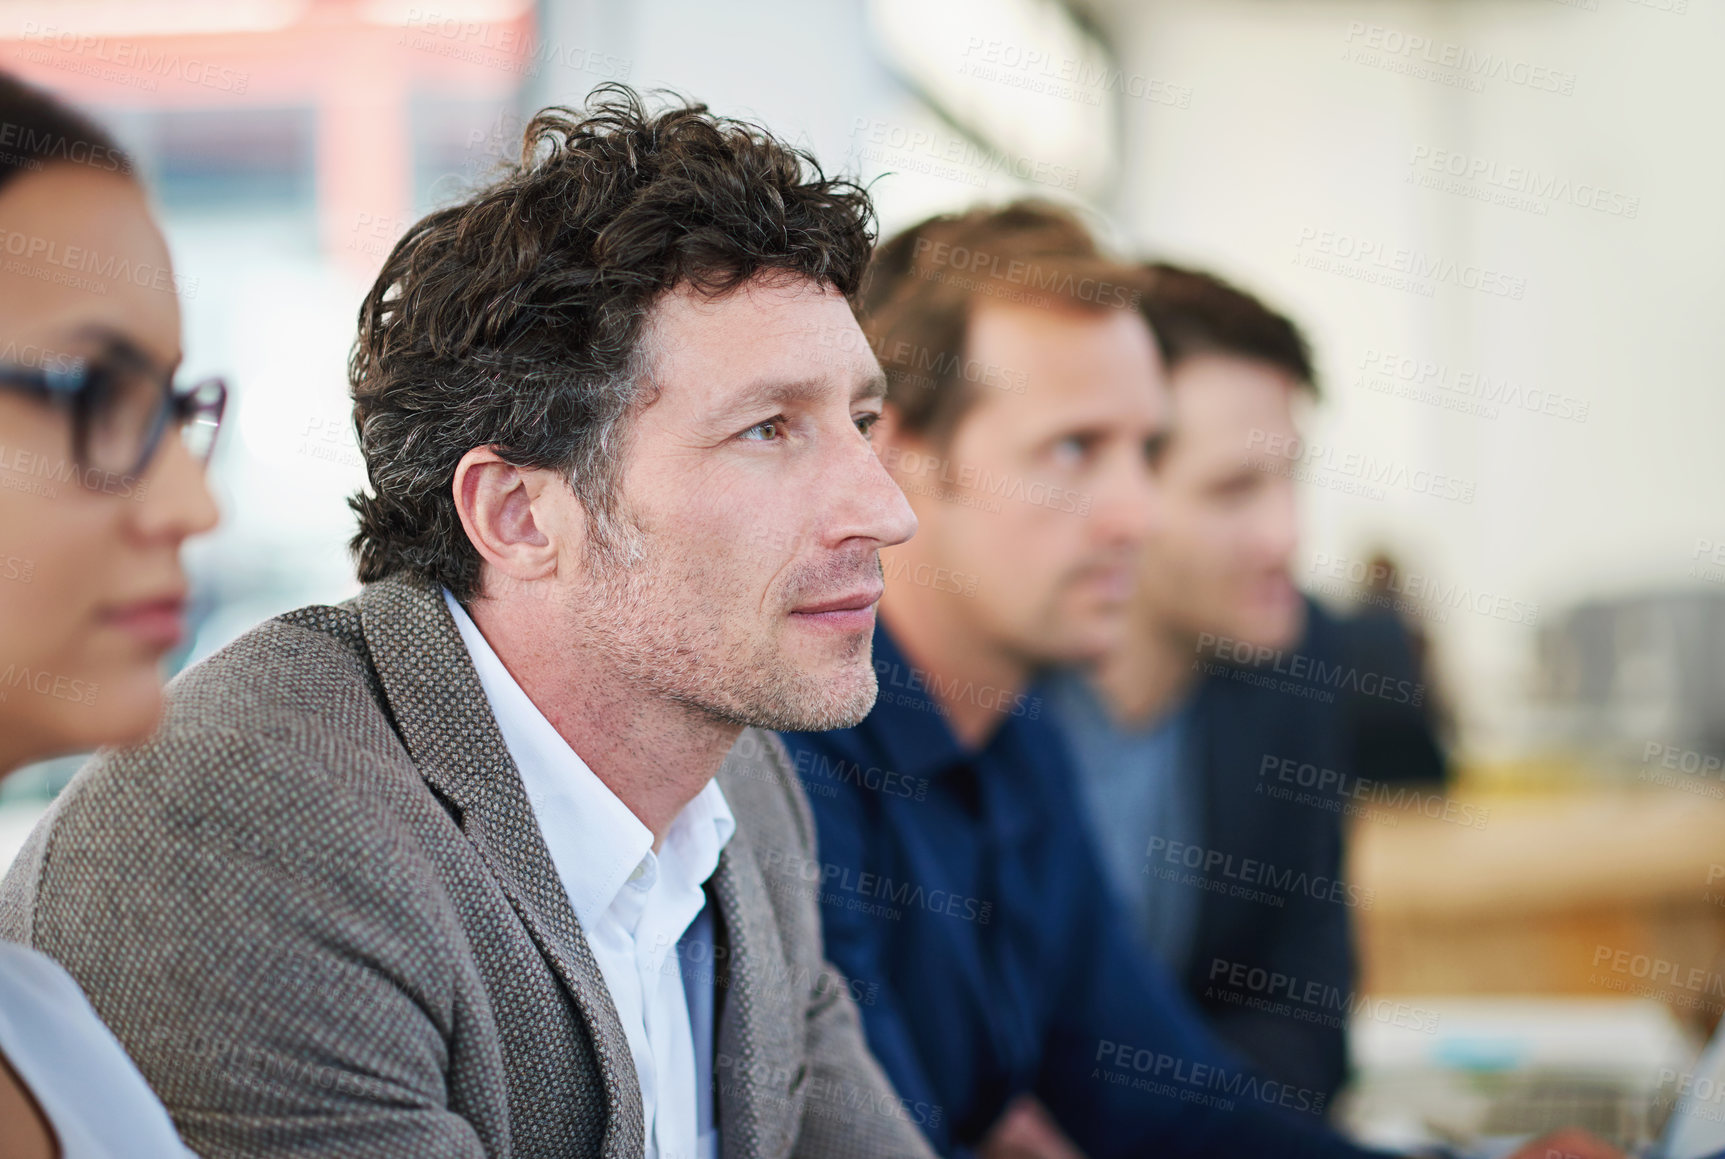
1178, 747
1008, 1001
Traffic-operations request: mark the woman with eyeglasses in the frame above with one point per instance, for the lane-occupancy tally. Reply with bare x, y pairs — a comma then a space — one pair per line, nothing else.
101, 481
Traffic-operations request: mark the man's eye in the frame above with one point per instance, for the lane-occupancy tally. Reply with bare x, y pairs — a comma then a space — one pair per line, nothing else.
775, 427
1072, 450
865, 423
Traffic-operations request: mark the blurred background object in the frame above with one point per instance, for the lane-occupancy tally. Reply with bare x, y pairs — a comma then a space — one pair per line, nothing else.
1498, 221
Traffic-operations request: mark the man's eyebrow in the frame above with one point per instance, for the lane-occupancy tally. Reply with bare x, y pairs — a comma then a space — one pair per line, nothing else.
778, 392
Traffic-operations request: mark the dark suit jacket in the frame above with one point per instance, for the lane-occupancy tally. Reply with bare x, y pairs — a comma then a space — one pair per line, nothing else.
1292, 1029
318, 911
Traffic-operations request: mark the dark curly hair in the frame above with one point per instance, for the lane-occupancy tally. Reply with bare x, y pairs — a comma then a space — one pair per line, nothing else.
518, 319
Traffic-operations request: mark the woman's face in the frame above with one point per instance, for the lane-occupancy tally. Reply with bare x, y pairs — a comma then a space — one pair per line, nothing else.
91, 589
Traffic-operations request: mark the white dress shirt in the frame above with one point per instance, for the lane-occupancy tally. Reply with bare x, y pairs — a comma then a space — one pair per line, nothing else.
634, 906
73, 1066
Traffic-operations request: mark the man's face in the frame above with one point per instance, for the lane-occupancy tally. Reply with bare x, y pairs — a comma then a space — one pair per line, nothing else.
1044, 493
1219, 560
753, 511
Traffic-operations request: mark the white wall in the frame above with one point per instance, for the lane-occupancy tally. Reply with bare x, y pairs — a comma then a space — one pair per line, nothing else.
1287, 131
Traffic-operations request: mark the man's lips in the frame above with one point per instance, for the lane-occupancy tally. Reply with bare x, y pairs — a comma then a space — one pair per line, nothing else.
158, 622
854, 601
851, 612
1110, 581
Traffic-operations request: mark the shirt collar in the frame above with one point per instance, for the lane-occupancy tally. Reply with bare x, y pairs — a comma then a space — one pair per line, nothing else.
696, 837
912, 735
595, 841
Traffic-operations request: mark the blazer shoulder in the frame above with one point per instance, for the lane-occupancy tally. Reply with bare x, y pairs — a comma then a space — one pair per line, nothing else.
301, 666
283, 728
275, 760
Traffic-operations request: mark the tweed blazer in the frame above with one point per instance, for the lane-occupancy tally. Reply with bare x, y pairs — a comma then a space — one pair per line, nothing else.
318, 911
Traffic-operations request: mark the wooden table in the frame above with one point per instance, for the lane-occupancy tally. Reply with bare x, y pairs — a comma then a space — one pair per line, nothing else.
1590, 891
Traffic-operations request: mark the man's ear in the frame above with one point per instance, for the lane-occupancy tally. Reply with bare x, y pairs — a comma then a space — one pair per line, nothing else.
507, 513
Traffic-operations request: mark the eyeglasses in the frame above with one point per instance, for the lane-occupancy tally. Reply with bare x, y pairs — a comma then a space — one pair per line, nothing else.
121, 406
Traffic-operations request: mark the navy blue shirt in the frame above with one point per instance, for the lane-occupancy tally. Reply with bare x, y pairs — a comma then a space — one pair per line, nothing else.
960, 893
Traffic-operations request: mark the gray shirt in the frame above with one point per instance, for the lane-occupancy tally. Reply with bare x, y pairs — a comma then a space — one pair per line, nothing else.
95, 1099
1135, 784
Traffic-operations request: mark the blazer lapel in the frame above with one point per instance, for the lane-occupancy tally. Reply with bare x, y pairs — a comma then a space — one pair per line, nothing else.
443, 718
760, 1012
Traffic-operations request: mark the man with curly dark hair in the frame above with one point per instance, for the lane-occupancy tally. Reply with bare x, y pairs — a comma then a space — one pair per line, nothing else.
477, 863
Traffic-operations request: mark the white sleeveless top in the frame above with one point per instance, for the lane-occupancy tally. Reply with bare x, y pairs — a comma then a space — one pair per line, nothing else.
97, 1102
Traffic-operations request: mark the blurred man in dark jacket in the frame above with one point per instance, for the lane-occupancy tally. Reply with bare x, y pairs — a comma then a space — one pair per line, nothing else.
1218, 746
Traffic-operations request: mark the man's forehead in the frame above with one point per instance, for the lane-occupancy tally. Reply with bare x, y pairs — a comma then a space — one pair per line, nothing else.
765, 341
1055, 355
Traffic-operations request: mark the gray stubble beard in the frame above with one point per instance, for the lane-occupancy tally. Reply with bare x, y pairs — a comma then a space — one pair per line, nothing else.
695, 664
